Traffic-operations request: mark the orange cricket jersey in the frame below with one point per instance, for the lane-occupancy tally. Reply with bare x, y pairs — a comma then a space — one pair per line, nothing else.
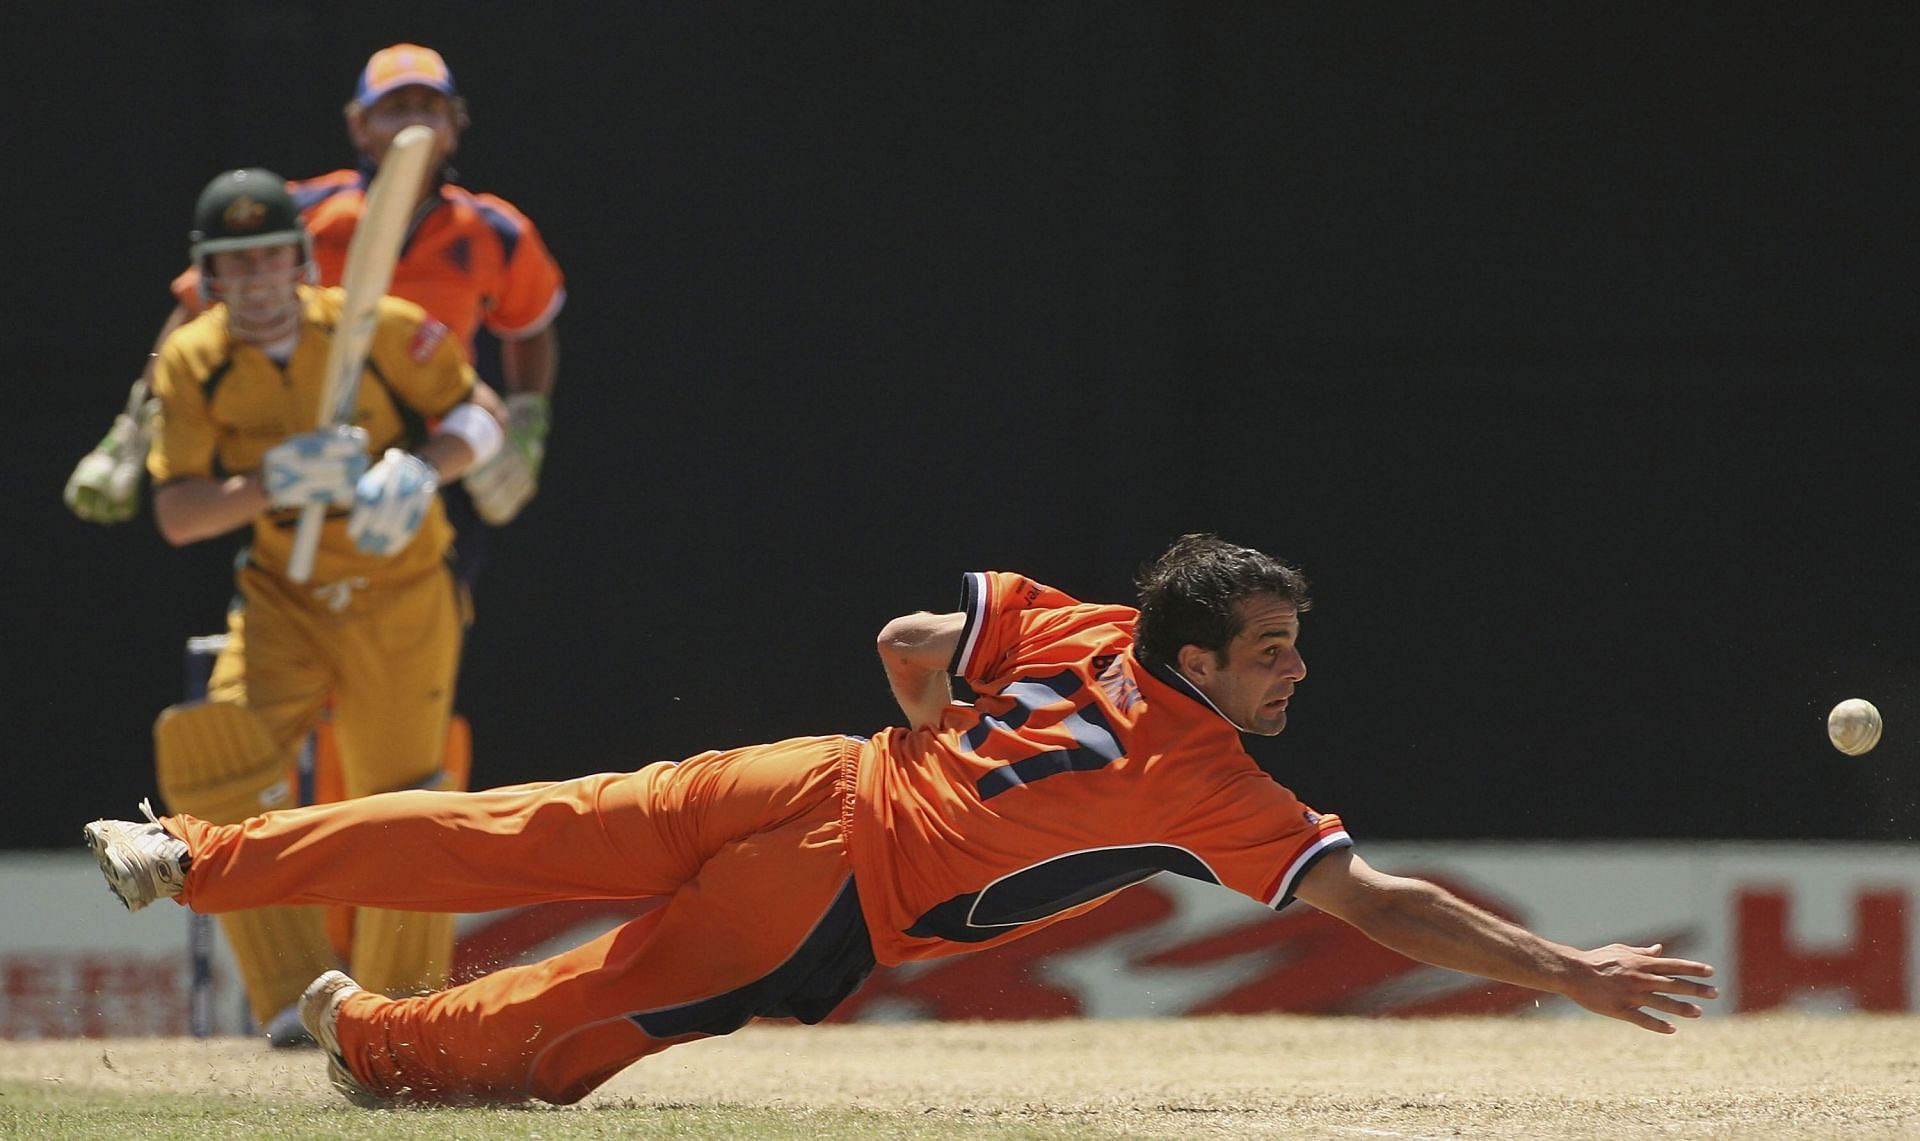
1077, 772
470, 259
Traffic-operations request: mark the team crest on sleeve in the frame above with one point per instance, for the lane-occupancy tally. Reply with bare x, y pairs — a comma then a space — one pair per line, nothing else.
426, 339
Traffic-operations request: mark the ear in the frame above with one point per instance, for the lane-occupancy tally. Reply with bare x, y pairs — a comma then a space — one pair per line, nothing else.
1197, 663
356, 131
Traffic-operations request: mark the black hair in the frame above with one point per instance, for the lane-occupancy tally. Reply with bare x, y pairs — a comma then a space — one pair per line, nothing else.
1188, 594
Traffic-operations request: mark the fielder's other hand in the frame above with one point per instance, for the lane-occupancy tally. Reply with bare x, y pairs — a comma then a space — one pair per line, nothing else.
1620, 981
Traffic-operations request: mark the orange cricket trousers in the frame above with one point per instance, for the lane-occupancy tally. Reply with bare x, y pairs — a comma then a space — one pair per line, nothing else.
747, 846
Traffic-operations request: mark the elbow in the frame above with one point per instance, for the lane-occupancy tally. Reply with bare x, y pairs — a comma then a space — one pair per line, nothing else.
892, 646
912, 640
177, 531
892, 638
1365, 898
919, 642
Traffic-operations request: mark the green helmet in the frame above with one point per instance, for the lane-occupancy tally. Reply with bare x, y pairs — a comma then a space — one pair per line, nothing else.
242, 209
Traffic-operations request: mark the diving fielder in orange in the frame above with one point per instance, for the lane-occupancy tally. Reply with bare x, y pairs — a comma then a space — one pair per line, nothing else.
1104, 748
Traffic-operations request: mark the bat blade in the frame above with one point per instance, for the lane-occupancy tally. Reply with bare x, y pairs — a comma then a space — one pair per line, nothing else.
372, 253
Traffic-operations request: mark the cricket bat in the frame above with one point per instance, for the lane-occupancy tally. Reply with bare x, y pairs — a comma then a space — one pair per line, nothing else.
371, 255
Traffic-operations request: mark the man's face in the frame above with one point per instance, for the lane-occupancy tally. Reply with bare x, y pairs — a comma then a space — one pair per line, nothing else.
1252, 681
258, 286
372, 128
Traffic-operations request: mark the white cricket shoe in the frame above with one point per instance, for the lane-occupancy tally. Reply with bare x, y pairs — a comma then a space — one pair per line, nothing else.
320, 1013
141, 860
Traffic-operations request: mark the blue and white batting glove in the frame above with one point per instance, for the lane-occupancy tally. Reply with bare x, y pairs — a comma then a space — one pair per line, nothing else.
390, 503
315, 467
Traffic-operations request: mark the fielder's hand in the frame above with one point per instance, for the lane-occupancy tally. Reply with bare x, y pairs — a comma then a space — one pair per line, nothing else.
1621, 981
315, 467
504, 484
105, 484
390, 502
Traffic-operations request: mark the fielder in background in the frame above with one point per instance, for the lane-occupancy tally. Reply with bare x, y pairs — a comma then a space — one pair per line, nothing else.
377, 630
471, 261
1103, 749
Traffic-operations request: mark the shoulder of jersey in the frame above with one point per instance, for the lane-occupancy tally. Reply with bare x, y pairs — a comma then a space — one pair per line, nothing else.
400, 309
204, 336
329, 199
500, 215
402, 319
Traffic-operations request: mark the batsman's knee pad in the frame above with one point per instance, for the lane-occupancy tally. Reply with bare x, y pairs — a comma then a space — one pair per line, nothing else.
215, 760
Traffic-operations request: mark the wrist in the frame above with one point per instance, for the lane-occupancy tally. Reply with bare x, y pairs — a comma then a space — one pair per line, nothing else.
253, 486
475, 427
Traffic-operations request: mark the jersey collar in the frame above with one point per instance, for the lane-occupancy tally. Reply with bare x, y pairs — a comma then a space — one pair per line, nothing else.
1174, 680
442, 178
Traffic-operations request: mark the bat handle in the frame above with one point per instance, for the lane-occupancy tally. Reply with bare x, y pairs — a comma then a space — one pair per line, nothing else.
306, 542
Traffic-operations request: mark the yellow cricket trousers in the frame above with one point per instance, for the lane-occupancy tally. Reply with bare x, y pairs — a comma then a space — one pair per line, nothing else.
747, 846
387, 655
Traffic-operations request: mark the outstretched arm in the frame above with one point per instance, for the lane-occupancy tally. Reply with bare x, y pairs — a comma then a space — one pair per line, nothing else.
1426, 922
916, 650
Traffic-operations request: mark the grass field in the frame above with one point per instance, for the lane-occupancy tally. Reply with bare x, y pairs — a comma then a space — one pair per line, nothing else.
1582, 1077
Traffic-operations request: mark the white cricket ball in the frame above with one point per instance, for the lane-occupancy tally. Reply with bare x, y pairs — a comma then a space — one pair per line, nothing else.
1854, 726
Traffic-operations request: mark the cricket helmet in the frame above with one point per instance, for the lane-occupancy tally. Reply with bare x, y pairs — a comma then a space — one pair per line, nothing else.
242, 209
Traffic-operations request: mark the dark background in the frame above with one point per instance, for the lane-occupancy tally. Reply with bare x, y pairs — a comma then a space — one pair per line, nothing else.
1569, 350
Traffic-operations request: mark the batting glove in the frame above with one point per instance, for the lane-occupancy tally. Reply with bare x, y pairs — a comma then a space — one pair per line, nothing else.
390, 503
316, 467
504, 484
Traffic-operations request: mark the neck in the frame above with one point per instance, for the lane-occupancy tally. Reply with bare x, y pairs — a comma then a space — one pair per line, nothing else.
279, 333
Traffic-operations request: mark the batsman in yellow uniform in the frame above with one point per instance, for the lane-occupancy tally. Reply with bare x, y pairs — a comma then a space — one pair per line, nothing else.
377, 627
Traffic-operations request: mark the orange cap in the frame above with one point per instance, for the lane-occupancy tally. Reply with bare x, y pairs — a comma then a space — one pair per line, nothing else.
402, 65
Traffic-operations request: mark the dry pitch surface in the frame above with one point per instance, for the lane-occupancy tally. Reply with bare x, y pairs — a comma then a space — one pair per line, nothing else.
1579, 1077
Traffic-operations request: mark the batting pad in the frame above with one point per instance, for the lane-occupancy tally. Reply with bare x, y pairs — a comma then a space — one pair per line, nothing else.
279, 950
400, 953
215, 760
